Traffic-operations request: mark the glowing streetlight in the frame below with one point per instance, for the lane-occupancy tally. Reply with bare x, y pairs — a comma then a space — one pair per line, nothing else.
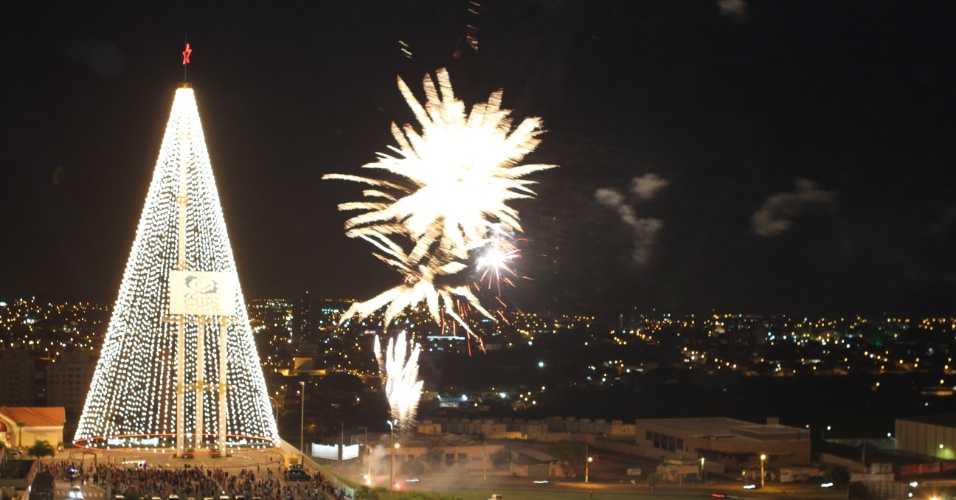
763, 458
587, 463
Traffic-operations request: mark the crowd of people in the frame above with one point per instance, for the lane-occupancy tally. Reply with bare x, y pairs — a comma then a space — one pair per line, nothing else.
264, 482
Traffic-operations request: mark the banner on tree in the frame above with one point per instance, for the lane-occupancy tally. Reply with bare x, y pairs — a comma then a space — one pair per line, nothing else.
209, 293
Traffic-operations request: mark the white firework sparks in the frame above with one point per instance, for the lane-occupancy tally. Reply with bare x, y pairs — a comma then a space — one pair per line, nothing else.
456, 178
494, 261
400, 373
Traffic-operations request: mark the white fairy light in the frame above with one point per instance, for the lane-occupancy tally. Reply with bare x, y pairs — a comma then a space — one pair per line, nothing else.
152, 340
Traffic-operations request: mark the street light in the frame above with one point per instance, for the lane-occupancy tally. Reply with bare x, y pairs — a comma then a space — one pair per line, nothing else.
302, 425
587, 463
275, 404
763, 458
391, 462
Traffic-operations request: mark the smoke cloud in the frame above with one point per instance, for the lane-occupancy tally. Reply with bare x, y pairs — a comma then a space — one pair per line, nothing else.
643, 230
777, 213
647, 185
732, 7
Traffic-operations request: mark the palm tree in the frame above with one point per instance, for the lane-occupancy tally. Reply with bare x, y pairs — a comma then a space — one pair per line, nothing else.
20, 425
41, 449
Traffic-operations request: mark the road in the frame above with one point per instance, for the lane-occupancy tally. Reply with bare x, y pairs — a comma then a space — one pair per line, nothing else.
472, 486
61, 489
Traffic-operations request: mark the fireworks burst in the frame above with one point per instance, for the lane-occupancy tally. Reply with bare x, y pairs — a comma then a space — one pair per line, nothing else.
455, 179
494, 261
400, 372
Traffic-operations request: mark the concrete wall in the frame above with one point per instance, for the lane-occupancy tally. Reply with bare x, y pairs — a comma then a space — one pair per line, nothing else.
928, 440
851, 464
17, 477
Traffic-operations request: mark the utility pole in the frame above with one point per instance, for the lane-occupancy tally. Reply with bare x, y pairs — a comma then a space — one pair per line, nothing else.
587, 463
391, 462
365, 454
763, 458
302, 426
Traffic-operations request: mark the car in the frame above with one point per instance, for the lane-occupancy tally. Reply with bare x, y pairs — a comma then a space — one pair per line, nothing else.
75, 492
298, 475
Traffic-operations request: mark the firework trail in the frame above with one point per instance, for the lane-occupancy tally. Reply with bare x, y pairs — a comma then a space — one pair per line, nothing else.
400, 374
454, 180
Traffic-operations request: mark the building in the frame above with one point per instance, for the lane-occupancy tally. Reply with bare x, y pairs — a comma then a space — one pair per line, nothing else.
444, 452
528, 462
930, 436
597, 427
22, 374
724, 443
549, 429
16, 477
306, 320
22, 426
68, 379
489, 428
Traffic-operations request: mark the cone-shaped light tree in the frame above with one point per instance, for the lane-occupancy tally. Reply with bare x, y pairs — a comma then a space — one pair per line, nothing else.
178, 371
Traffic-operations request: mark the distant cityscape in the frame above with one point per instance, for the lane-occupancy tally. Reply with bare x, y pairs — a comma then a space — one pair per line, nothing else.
51, 349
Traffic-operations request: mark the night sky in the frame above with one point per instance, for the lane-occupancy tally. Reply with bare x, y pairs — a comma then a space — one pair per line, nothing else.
773, 156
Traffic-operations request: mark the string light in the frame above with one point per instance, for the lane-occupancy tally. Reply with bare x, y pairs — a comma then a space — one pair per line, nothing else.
179, 368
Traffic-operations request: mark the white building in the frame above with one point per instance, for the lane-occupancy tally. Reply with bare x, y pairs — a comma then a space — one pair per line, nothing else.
930, 436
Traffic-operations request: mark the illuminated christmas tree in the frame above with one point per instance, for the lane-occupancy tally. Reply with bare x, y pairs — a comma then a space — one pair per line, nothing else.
179, 371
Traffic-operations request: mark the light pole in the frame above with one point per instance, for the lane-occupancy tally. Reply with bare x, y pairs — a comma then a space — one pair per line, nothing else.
368, 463
391, 462
587, 463
484, 461
275, 404
302, 425
763, 458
